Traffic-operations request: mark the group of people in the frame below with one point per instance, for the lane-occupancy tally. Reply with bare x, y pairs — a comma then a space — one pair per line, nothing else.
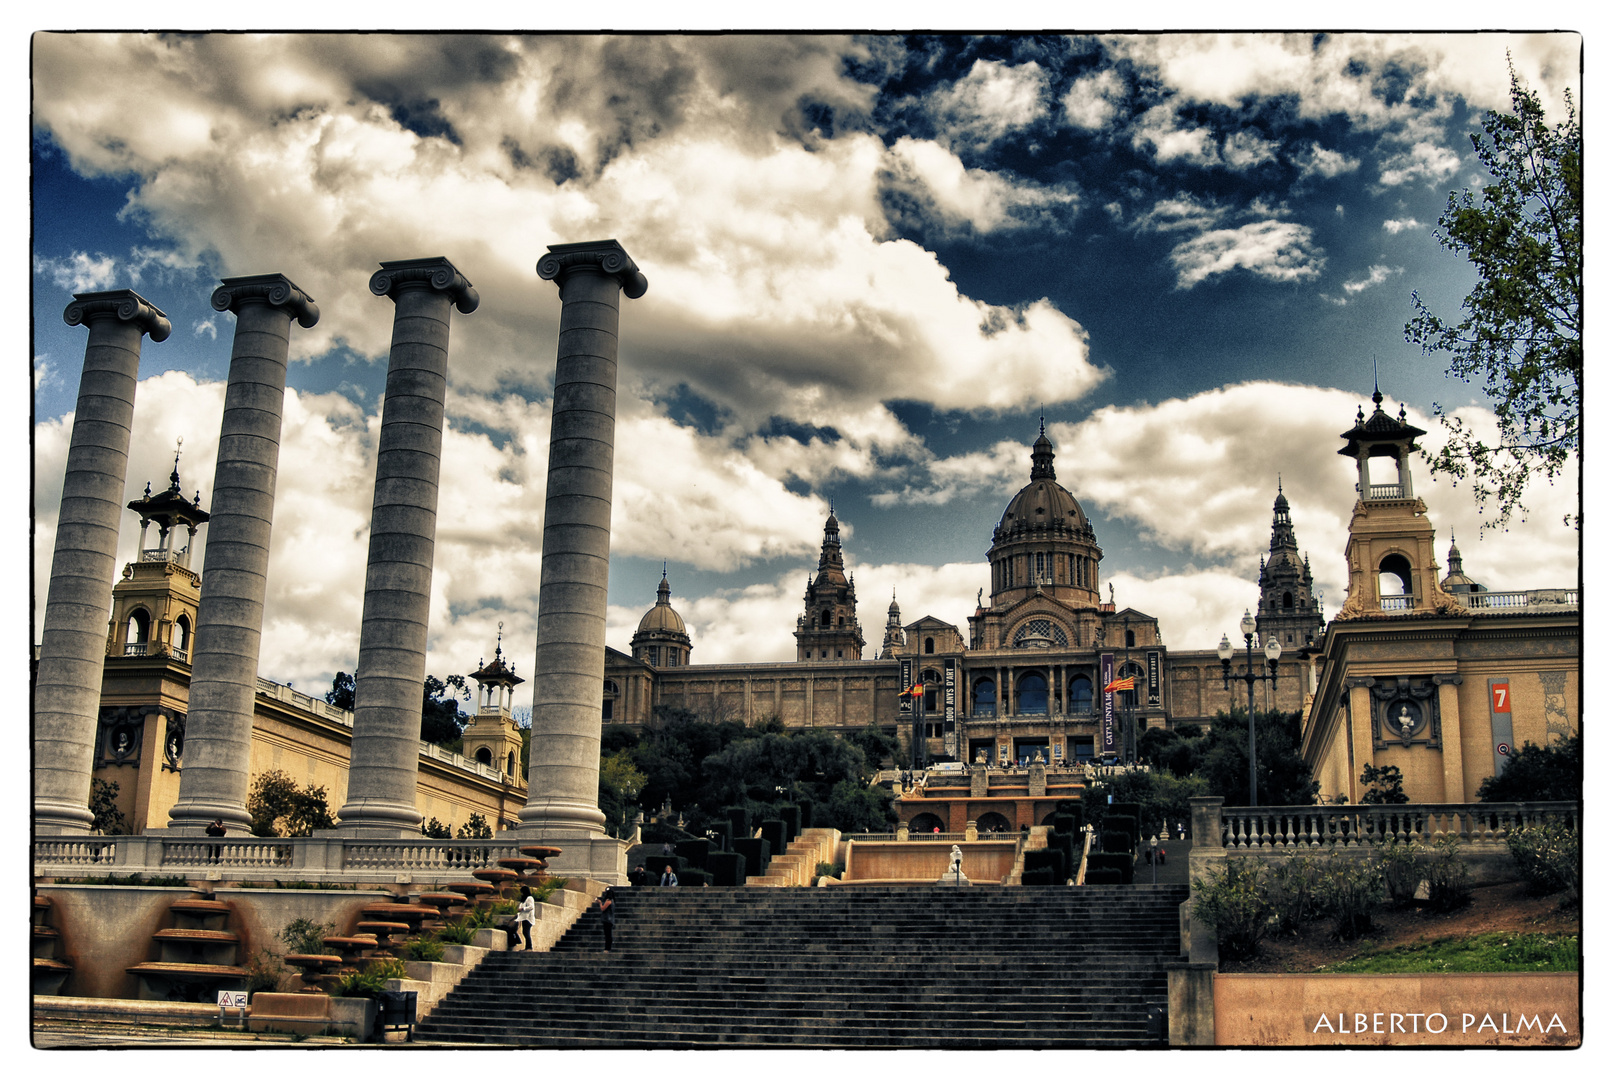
527, 914
640, 876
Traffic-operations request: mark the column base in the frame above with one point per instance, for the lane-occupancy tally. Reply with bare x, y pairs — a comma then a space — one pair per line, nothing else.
197, 814
61, 819
602, 858
378, 818
553, 817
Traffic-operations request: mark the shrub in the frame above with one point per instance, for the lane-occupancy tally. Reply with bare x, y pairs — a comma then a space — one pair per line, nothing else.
548, 887
1547, 857
1538, 773
476, 828
108, 819
1231, 902
693, 851
428, 948
371, 980
1103, 875
1115, 840
436, 830
1383, 785
790, 814
1041, 875
1448, 884
1402, 869
264, 972
1291, 889
1350, 889
1121, 863
304, 936
694, 877
726, 867
773, 831
1051, 859
458, 932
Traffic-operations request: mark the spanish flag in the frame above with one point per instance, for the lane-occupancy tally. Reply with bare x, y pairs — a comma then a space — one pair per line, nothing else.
916, 690
1128, 683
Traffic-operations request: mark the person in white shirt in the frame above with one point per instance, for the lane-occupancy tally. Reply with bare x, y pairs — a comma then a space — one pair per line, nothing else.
525, 916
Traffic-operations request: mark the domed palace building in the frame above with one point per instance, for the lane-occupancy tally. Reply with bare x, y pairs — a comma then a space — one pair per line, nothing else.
1021, 685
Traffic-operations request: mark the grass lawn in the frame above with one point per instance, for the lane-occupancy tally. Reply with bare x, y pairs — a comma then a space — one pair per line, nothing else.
1482, 952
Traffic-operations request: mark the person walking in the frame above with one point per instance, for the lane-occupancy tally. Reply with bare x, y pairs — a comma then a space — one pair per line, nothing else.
607, 916
525, 916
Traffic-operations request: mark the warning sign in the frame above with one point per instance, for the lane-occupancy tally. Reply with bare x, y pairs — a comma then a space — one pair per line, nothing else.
1503, 749
232, 999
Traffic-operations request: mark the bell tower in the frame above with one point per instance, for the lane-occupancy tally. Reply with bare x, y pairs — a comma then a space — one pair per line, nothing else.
1288, 606
1390, 553
827, 629
154, 606
491, 738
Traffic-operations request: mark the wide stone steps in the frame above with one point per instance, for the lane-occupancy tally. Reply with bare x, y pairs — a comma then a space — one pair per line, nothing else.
1038, 967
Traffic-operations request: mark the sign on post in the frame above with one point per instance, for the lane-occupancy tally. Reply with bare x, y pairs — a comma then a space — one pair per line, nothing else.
1501, 722
232, 999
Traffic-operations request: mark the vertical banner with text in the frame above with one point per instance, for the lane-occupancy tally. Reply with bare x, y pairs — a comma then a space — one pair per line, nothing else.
1153, 680
1106, 675
949, 689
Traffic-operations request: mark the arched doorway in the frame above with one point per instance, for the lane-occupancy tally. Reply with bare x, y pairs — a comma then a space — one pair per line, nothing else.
1031, 697
926, 823
993, 822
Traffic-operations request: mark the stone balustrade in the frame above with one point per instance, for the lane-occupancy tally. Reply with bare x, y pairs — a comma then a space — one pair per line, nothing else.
1279, 828
318, 859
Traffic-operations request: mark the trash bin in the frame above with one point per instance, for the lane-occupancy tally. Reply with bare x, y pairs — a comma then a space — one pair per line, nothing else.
395, 1009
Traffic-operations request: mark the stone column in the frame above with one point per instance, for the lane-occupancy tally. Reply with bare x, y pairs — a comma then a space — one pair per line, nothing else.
569, 671
72, 651
229, 618
387, 691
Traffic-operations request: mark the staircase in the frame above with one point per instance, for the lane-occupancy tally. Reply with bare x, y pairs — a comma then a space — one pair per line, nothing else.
873, 967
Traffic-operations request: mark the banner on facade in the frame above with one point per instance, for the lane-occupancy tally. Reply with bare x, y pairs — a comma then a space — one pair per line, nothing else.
1153, 679
949, 691
1106, 675
904, 700
1501, 723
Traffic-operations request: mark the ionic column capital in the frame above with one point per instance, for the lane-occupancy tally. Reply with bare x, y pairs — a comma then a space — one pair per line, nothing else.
124, 304
437, 274
275, 290
602, 256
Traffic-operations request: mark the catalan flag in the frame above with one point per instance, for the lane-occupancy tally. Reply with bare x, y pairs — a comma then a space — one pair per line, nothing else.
1128, 683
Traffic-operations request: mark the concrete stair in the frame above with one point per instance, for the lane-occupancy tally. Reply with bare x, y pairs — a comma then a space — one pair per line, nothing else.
800, 860
867, 967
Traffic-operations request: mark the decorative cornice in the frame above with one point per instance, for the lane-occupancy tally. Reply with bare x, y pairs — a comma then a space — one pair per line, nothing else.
600, 256
275, 290
435, 273
125, 304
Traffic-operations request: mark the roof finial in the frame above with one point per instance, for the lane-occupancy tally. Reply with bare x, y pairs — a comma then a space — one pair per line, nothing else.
1377, 396
498, 646
174, 476
1044, 420
1279, 483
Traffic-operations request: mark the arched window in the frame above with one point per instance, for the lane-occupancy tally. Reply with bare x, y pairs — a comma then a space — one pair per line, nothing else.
1032, 694
985, 697
1394, 576
607, 707
484, 755
1081, 695
1288, 601
182, 637
139, 633
509, 764
929, 644
826, 619
1131, 639
932, 688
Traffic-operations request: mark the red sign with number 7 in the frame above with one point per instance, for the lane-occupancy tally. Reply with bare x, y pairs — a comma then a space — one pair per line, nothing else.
1502, 693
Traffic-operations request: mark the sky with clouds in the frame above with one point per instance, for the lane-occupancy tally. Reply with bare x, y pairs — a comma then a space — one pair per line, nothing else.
874, 264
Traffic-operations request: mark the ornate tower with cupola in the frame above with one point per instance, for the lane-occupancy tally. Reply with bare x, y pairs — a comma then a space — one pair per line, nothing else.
662, 639
154, 606
1390, 554
1044, 544
1288, 606
895, 639
491, 738
827, 629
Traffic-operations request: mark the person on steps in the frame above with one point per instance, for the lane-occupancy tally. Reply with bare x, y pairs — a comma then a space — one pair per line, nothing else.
668, 877
525, 916
607, 916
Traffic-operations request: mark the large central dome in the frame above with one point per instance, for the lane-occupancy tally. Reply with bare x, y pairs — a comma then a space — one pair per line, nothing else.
1045, 540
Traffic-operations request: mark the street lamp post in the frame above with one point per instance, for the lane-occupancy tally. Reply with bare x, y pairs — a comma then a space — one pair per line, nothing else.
1250, 676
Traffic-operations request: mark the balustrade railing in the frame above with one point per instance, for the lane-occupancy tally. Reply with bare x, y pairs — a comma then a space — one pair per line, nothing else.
93, 852
1396, 603
135, 648
1275, 828
267, 853
425, 854
1384, 491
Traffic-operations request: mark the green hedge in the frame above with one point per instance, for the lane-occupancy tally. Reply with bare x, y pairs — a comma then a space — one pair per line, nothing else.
1118, 822
694, 877
790, 814
756, 853
693, 851
1116, 841
738, 822
726, 867
805, 806
1042, 875
722, 836
774, 831
1121, 862
1103, 875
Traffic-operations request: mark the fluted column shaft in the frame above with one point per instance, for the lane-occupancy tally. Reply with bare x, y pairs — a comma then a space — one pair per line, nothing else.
569, 671
229, 620
72, 650
387, 692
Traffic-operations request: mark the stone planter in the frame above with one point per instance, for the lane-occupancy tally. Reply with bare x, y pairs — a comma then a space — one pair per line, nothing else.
353, 1017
